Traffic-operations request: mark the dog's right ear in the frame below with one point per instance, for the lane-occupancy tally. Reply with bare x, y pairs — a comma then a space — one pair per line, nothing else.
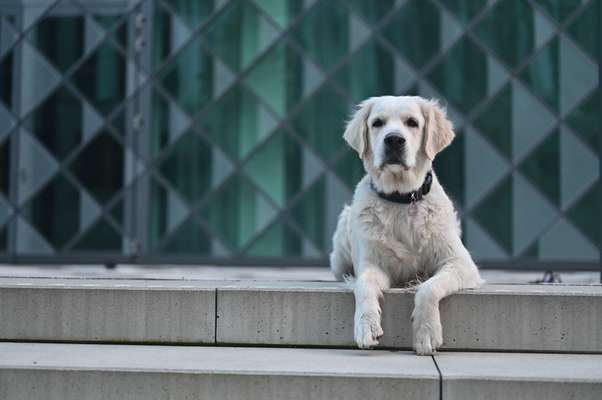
356, 132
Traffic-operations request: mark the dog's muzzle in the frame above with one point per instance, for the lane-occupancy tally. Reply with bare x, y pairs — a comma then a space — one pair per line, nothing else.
394, 148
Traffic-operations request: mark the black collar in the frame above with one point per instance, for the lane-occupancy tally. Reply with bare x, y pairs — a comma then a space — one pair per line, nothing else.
410, 197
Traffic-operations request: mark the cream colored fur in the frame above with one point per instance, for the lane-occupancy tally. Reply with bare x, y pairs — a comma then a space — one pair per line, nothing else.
379, 244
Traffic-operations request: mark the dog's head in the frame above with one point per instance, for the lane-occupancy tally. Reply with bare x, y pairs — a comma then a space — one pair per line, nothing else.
397, 138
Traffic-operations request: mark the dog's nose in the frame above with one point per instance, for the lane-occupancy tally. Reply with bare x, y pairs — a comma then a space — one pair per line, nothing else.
394, 140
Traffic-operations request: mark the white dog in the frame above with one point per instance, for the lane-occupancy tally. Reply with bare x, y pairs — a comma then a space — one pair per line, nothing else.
401, 226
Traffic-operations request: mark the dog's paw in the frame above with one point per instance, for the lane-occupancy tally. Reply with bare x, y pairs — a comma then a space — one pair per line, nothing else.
367, 330
428, 336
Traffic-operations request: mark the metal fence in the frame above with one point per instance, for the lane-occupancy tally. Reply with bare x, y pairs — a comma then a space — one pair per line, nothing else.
181, 131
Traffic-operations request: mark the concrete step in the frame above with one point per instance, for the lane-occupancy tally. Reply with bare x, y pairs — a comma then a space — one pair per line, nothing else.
551, 318
124, 372
93, 371
519, 376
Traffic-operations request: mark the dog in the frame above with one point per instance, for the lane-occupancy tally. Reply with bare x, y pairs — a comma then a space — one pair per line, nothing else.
401, 226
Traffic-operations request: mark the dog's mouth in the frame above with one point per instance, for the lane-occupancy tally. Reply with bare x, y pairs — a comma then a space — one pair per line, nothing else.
395, 159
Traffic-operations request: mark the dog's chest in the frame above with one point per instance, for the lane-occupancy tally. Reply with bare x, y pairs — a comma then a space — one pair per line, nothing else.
408, 225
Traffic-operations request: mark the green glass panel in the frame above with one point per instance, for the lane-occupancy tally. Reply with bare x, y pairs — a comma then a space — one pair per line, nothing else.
118, 121
159, 130
121, 35
282, 12
100, 166
278, 167
449, 165
585, 120
47, 211
117, 211
158, 213
278, 78
323, 130
585, 214
542, 167
63, 52
193, 13
167, 213
560, 9
47, 122
162, 45
189, 77
4, 167
310, 213
350, 169
107, 21
464, 63
237, 212
237, 122
3, 238
188, 166
280, 240
465, 10
494, 214
324, 33
370, 72
239, 34
190, 238
531, 253
6, 80
586, 29
415, 31
514, 41
494, 121
100, 237
542, 75
372, 11
102, 78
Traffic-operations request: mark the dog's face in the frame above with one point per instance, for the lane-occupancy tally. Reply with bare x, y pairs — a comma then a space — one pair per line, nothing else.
395, 132
398, 134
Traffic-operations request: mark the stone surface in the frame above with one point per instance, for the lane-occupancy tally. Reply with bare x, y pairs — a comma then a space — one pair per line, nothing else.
106, 311
551, 318
294, 314
520, 376
289, 273
72, 371
561, 318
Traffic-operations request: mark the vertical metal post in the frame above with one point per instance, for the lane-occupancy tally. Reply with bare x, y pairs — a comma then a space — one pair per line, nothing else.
600, 128
14, 163
142, 102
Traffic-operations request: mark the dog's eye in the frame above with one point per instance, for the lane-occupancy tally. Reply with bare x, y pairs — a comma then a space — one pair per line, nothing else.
412, 123
377, 123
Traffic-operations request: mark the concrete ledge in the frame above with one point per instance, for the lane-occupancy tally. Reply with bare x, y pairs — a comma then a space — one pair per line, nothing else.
303, 313
554, 318
520, 376
71, 371
496, 317
106, 311
561, 318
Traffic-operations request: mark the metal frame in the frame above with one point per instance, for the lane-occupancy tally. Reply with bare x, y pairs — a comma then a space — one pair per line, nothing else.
600, 127
136, 250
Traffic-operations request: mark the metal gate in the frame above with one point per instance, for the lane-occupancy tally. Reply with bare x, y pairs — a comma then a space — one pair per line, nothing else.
181, 131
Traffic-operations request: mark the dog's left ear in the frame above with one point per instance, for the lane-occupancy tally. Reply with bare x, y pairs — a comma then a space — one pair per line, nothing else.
438, 130
357, 129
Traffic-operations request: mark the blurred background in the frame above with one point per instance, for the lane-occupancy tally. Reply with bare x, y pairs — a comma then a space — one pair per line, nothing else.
200, 131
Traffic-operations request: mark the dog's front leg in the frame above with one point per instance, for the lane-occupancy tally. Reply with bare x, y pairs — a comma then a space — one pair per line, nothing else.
456, 273
368, 289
